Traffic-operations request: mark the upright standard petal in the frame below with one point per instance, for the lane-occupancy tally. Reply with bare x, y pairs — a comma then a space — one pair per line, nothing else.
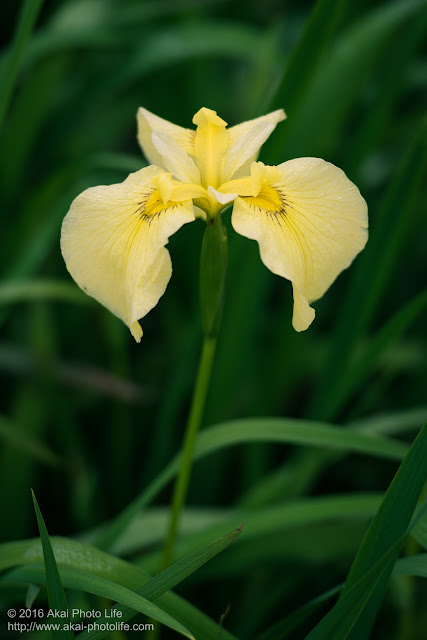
113, 242
310, 222
252, 134
148, 123
175, 159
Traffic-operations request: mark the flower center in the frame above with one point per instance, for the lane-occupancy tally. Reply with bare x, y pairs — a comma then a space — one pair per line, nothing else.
268, 199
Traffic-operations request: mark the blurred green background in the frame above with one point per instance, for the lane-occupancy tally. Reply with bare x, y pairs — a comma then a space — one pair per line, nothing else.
88, 417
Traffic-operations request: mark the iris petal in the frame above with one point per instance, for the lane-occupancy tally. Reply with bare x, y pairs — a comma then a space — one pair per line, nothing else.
246, 129
113, 242
175, 159
148, 123
309, 223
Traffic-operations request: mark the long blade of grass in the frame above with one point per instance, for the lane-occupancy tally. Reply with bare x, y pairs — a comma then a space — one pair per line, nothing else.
27, 444
264, 523
380, 119
412, 566
19, 291
356, 55
340, 621
281, 630
175, 574
83, 581
55, 590
85, 558
294, 478
27, 19
315, 38
290, 528
392, 423
391, 331
20, 362
392, 225
387, 528
254, 430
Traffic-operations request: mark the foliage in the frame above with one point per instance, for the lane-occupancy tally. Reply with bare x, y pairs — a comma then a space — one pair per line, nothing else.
93, 422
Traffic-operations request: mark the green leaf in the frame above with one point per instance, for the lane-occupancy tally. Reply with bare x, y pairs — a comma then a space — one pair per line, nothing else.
88, 559
420, 532
24, 442
265, 522
173, 575
392, 423
412, 566
355, 55
21, 362
32, 593
83, 581
393, 224
363, 365
19, 291
125, 162
55, 590
283, 628
386, 533
339, 622
299, 70
256, 430
191, 40
27, 19
148, 528
294, 478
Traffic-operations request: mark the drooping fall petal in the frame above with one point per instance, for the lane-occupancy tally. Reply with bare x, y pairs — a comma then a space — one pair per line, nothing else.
310, 222
113, 242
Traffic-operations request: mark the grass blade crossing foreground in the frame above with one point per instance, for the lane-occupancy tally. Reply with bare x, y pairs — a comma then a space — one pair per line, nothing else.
286, 431
283, 628
84, 581
55, 591
380, 548
172, 576
339, 622
85, 558
413, 566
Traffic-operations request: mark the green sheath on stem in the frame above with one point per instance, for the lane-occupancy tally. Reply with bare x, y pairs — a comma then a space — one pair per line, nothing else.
213, 262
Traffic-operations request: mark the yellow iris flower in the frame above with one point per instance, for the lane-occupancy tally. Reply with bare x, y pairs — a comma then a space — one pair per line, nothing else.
309, 220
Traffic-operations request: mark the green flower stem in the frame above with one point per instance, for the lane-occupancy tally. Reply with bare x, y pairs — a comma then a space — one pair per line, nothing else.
194, 421
213, 264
